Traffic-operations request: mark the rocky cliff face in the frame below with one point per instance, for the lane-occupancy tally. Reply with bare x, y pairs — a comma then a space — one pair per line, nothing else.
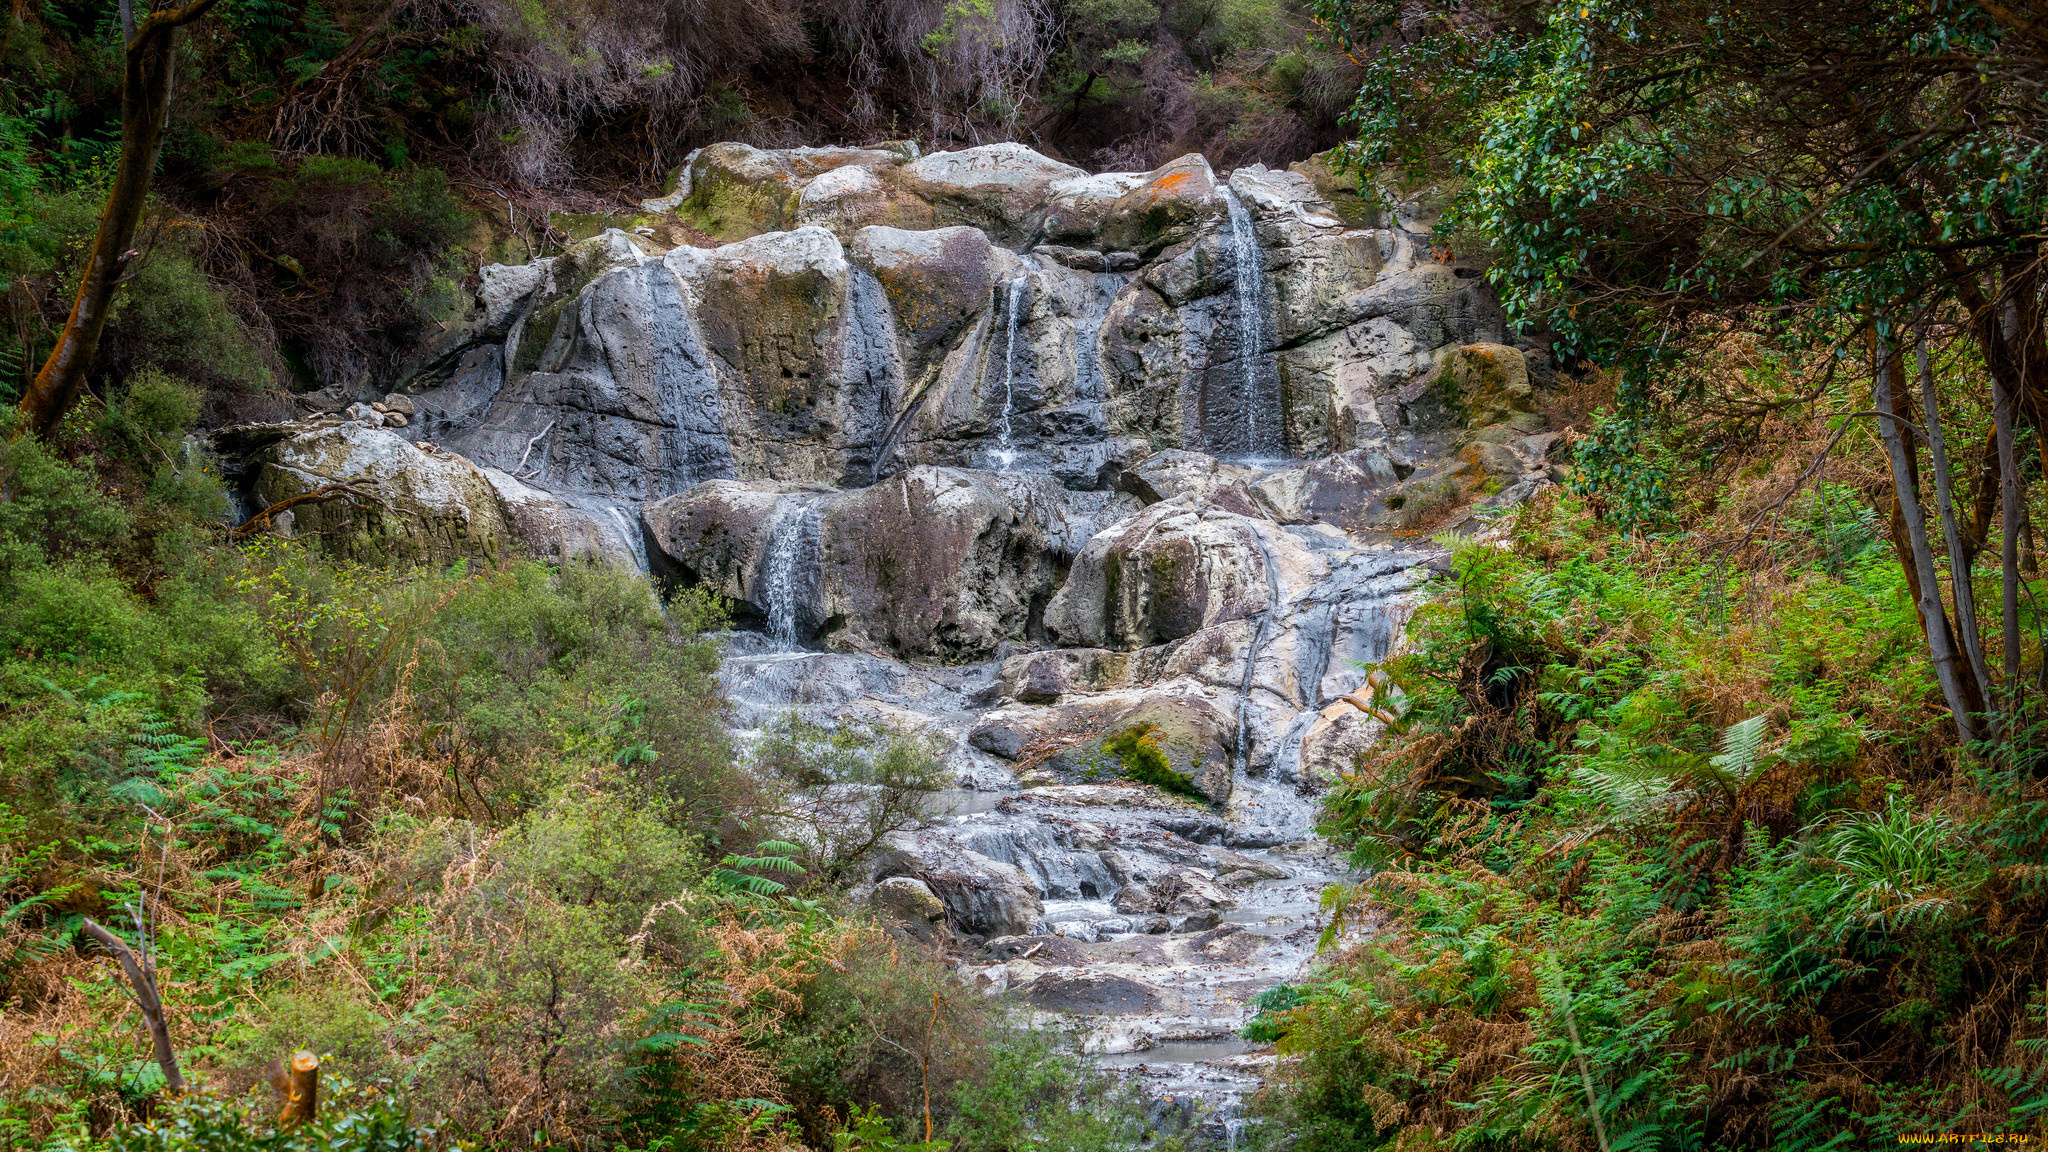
1116, 482
871, 312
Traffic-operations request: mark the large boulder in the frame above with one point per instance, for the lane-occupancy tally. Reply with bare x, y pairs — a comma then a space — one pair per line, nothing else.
1337, 489
1001, 189
1486, 384
1088, 738
845, 200
983, 897
554, 528
718, 532
909, 905
1098, 994
1176, 472
940, 563
1166, 209
939, 283
1165, 573
1082, 204
733, 191
414, 506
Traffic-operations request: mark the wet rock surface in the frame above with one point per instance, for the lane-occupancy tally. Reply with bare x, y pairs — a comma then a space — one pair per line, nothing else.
1111, 485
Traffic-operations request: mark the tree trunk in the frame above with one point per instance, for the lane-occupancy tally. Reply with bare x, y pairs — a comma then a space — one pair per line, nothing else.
145, 99
1927, 597
2010, 513
1959, 559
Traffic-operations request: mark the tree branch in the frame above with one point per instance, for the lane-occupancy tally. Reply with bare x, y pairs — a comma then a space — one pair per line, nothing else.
144, 982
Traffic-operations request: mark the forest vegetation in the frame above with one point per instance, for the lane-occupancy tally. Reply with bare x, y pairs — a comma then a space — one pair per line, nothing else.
1710, 811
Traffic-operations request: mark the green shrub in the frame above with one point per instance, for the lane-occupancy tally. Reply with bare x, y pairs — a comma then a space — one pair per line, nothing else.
79, 612
54, 510
171, 316
1629, 840
350, 1120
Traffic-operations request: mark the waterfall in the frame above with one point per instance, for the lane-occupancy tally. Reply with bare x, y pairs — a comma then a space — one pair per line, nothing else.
1006, 454
1250, 274
1251, 654
792, 542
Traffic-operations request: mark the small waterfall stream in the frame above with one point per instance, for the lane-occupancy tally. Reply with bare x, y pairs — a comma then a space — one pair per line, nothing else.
1006, 452
786, 570
1248, 265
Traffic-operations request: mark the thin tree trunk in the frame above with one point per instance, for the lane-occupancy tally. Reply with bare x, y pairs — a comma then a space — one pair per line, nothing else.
144, 983
1927, 597
2009, 520
1959, 559
145, 102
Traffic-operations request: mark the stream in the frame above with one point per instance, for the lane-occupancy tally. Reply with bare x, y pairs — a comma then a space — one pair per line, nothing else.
1157, 997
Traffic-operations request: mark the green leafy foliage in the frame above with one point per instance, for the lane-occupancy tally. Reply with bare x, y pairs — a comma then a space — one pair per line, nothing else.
1631, 853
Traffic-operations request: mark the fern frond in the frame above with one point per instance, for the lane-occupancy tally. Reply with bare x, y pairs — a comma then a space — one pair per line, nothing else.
727, 880
769, 863
1740, 743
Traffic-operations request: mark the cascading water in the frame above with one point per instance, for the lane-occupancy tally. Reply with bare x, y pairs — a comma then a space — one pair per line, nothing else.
791, 539
1251, 652
1250, 274
1006, 453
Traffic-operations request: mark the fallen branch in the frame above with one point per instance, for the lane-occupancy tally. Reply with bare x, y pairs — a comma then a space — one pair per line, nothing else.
144, 982
342, 490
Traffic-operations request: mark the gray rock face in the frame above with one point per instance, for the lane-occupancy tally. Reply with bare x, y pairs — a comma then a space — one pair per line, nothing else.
872, 310
623, 400
983, 897
934, 563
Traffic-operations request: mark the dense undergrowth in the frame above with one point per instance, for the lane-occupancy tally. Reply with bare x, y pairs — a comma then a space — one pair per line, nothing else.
1673, 846
475, 835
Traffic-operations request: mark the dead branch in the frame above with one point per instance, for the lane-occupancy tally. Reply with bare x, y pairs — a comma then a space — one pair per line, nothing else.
341, 490
144, 982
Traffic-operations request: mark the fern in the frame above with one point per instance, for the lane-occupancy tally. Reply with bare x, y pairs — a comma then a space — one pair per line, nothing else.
1632, 783
732, 874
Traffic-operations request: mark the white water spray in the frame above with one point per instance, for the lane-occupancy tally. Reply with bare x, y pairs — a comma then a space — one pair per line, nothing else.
790, 538
1006, 454
1250, 271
